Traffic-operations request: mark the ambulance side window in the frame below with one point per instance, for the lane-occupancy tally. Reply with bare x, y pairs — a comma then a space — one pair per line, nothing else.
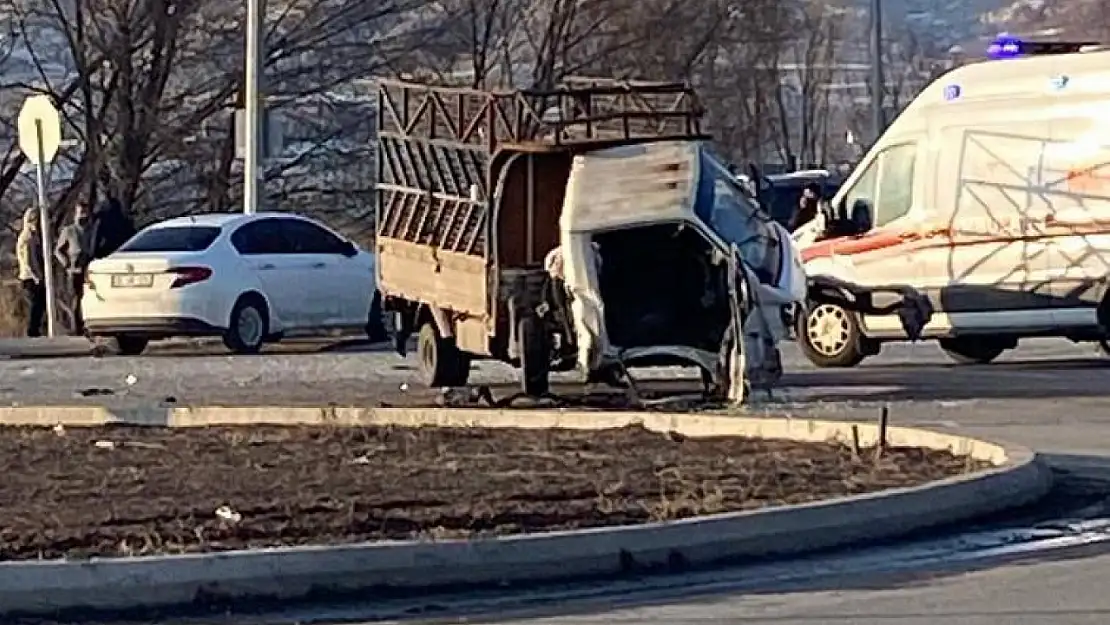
897, 165
864, 188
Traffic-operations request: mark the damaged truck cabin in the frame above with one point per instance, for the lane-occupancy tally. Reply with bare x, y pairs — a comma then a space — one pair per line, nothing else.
470, 194
668, 261
581, 227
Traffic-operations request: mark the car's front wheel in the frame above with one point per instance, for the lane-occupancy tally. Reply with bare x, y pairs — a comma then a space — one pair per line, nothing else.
248, 325
830, 336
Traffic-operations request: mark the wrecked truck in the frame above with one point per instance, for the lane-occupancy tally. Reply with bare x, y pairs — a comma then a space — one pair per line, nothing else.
668, 262
585, 226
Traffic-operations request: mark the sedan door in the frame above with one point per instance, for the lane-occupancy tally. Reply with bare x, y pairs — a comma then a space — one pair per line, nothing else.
283, 276
341, 279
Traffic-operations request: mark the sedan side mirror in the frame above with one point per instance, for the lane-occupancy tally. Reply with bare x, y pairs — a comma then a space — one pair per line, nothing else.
349, 249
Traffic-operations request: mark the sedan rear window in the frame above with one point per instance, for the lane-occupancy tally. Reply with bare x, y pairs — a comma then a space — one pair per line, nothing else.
173, 239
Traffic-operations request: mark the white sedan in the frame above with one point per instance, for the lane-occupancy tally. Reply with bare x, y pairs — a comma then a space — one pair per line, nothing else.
249, 279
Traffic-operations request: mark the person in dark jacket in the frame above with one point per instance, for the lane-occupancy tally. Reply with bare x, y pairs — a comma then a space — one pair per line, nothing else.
808, 206
112, 228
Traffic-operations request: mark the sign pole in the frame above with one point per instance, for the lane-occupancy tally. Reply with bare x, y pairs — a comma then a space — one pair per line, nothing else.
878, 74
44, 227
254, 105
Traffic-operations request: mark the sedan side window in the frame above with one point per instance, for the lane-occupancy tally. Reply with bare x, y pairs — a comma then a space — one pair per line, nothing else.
260, 237
308, 238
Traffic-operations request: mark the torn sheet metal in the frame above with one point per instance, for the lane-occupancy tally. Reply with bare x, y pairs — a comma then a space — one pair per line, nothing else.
678, 182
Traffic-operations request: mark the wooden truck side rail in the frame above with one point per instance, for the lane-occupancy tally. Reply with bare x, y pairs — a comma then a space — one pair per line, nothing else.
442, 152
437, 144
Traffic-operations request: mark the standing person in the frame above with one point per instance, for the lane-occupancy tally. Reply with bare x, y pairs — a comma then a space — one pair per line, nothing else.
808, 206
74, 252
32, 274
112, 229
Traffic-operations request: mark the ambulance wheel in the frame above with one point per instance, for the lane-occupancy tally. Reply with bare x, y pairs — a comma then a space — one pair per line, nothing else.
830, 337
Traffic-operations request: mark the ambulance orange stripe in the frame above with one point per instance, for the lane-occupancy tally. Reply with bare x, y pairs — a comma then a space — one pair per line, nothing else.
915, 240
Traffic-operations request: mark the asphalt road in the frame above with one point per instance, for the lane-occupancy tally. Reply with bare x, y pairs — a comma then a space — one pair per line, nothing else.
1044, 375
1049, 395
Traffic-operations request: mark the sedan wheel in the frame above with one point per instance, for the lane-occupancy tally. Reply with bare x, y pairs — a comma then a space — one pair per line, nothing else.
248, 327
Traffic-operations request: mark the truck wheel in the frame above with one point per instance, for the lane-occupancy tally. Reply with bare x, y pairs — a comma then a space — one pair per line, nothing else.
1104, 345
375, 321
971, 351
130, 345
829, 337
441, 362
535, 357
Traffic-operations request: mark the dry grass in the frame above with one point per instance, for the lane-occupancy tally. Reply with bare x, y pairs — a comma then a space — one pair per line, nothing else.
13, 309
131, 491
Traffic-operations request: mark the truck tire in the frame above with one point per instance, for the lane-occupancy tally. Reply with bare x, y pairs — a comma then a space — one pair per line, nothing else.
441, 362
830, 337
130, 344
535, 356
1104, 345
376, 331
971, 350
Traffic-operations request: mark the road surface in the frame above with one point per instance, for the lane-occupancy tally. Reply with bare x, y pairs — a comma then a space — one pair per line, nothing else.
1045, 371
1049, 395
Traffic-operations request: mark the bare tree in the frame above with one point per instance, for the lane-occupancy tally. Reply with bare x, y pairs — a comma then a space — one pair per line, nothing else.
149, 88
802, 97
1061, 19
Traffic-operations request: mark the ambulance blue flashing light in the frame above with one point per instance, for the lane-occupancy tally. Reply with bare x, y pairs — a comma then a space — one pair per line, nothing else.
1007, 46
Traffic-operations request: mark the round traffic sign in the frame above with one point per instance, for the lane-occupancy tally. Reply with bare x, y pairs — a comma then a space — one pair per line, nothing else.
40, 129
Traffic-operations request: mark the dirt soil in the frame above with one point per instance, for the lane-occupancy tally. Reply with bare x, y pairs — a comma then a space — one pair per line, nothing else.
126, 491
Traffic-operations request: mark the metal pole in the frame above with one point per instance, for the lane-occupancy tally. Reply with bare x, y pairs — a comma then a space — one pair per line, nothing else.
44, 228
253, 99
878, 84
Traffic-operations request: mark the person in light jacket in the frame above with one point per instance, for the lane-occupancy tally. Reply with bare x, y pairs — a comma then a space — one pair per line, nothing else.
74, 252
32, 271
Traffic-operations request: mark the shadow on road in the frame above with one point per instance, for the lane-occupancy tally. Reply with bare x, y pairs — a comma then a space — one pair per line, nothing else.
1032, 364
291, 347
909, 382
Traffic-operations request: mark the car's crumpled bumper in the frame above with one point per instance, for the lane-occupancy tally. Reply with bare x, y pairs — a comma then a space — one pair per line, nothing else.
914, 309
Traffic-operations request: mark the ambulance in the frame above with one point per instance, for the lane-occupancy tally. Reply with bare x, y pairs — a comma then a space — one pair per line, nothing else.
990, 193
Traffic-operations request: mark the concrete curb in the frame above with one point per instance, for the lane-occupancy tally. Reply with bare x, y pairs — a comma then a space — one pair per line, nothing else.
1018, 478
57, 347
